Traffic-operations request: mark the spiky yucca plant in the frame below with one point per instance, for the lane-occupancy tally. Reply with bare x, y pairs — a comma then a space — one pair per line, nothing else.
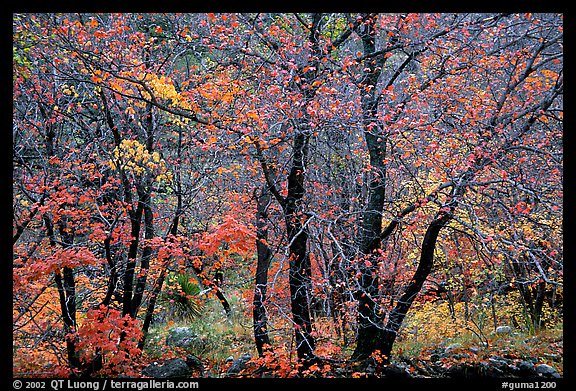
180, 296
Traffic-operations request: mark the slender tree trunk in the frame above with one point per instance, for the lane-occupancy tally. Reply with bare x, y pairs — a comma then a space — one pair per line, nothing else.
151, 305
65, 282
133, 294
369, 316
539, 305
67, 297
532, 298
300, 268
217, 282
173, 231
296, 227
159, 283
396, 317
129, 272
113, 274
145, 195
260, 320
147, 252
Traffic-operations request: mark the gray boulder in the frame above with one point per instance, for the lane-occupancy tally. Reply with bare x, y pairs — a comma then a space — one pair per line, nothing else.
176, 367
545, 370
450, 348
503, 364
184, 337
503, 330
239, 364
437, 354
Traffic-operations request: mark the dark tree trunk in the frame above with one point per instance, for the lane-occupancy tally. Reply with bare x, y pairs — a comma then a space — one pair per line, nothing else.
217, 282
173, 231
67, 298
369, 316
147, 252
113, 274
260, 319
65, 282
296, 228
128, 283
159, 283
532, 297
536, 316
151, 305
300, 268
396, 317
133, 294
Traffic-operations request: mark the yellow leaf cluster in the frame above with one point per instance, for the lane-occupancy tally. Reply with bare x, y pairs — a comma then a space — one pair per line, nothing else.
132, 156
69, 90
162, 86
164, 89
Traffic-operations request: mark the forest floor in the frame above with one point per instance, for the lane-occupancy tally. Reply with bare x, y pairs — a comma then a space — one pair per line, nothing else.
222, 341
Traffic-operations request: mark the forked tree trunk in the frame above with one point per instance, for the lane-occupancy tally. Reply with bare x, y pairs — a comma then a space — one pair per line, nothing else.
396, 317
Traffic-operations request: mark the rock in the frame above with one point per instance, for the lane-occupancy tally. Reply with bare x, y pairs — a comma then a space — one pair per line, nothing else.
194, 362
499, 361
172, 368
239, 364
545, 370
526, 366
184, 337
465, 371
478, 370
526, 369
452, 347
503, 330
437, 354
503, 364
396, 371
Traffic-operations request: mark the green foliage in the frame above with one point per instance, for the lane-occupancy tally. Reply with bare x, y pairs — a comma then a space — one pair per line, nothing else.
180, 296
222, 336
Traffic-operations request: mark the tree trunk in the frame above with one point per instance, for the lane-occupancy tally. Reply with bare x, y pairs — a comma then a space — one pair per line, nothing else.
147, 252
369, 316
173, 231
67, 295
260, 319
216, 282
128, 283
151, 305
300, 268
396, 317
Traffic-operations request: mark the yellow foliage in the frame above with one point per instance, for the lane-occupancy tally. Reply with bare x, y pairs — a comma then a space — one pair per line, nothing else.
133, 157
434, 322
